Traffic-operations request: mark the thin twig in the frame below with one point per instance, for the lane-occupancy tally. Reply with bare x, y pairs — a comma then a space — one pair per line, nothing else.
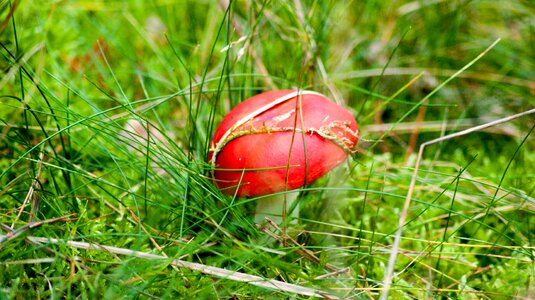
395, 247
393, 255
214, 271
14, 233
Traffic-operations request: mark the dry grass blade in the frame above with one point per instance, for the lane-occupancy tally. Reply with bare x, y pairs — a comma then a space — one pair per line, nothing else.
260, 66
31, 194
530, 84
395, 247
218, 272
12, 9
307, 254
437, 126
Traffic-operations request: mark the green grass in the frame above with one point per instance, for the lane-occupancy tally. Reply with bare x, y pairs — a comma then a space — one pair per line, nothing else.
75, 73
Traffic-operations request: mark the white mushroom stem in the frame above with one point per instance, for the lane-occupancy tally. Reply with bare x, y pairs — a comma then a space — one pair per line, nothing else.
273, 207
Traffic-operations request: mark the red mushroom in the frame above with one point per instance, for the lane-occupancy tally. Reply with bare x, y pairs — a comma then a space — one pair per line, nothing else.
279, 141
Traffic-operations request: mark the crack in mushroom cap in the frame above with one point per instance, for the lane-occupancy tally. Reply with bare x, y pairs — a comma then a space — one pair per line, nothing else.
305, 112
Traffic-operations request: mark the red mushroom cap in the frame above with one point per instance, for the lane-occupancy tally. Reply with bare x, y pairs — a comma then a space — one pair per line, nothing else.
280, 140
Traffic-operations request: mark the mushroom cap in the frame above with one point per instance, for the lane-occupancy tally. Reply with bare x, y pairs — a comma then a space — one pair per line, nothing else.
280, 140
